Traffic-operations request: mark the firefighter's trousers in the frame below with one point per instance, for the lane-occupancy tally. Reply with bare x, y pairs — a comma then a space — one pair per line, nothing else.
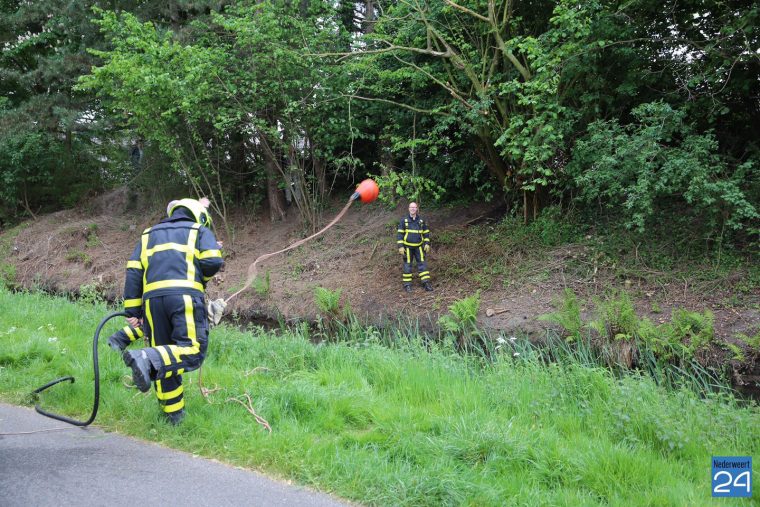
124, 337
178, 329
415, 254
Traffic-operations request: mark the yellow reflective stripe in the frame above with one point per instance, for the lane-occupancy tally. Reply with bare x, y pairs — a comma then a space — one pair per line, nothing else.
167, 284
153, 334
144, 254
132, 303
190, 252
422, 255
150, 323
134, 265
424, 273
130, 334
186, 351
415, 231
191, 333
173, 351
174, 406
170, 246
164, 356
190, 319
412, 244
210, 253
161, 395
207, 278
400, 230
139, 332
408, 256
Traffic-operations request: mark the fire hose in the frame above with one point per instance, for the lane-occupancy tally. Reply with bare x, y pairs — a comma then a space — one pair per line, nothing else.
367, 191
96, 397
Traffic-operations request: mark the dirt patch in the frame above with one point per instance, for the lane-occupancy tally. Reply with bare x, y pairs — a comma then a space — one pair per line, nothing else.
75, 249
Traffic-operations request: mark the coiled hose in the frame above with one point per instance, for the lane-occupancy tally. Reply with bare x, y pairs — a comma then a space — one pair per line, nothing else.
96, 400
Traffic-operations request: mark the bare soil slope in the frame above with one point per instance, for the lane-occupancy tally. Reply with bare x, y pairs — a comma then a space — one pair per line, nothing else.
85, 250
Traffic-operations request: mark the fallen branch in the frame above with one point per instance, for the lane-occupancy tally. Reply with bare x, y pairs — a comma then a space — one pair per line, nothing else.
249, 408
204, 391
255, 370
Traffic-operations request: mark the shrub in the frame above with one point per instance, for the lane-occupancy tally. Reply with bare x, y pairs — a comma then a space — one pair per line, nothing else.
616, 318
697, 328
327, 301
261, 285
568, 316
553, 228
462, 320
634, 169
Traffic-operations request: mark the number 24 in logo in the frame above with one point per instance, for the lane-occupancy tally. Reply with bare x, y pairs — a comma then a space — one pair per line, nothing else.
732, 476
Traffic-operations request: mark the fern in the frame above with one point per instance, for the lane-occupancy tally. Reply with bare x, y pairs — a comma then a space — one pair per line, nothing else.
568, 316
327, 301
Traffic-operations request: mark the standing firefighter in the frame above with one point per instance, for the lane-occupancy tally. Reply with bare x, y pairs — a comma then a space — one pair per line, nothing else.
413, 239
163, 294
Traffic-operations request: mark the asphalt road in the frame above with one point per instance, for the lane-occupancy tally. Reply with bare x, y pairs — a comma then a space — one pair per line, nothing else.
86, 466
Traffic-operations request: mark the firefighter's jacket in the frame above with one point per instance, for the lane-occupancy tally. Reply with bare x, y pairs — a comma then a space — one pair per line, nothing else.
412, 232
176, 256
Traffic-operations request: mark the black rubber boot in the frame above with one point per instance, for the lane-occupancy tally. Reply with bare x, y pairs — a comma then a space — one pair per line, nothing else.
176, 417
408, 287
138, 361
428, 286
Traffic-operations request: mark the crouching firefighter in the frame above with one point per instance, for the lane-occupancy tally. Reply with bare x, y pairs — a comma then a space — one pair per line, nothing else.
163, 297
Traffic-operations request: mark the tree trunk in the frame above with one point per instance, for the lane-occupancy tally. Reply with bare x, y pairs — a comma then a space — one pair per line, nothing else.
274, 195
386, 157
239, 165
496, 165
368, 24
321, 175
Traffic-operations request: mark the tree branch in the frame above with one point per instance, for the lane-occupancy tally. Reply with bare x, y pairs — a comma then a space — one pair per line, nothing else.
391, 48
399, 104
467, 11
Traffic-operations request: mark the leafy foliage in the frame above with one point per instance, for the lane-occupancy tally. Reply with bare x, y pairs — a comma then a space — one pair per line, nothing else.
567, 316
328, 301
641, 109
635, 169
461, 322
402, 185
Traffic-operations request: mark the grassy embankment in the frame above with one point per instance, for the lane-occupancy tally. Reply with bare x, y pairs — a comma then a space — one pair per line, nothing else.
400, 425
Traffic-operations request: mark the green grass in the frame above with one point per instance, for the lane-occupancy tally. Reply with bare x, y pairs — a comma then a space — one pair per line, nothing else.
399, 425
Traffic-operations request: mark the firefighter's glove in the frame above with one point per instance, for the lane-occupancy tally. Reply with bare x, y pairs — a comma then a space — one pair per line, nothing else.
427, 248
215, 311
401, 250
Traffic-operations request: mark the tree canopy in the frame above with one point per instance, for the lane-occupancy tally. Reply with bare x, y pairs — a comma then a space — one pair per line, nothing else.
635, 108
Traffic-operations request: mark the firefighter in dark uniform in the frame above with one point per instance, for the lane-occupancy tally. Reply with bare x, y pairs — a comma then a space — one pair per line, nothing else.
413, 240
163, 296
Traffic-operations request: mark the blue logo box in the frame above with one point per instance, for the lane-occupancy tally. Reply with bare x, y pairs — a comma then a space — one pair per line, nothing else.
732, 476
